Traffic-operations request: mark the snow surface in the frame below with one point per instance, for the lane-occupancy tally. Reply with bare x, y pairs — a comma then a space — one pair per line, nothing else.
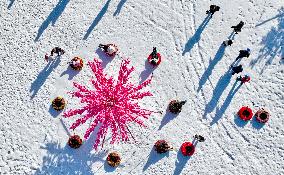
194, 68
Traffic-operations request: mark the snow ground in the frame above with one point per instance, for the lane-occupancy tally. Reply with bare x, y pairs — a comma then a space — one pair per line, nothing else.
194, 68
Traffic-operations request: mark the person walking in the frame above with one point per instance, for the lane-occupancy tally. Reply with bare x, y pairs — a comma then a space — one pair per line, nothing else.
243, 53
243, 79
237, 69
199, 138
58, 51
212, 10
238, 27
228, 42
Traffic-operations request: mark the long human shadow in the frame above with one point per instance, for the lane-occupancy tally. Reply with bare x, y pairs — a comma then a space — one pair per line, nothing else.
255, 124
119, 7
281, 14
70, 72
52, 17
69, 161
149, 69
182, 160
273, 42
11, 4
220, 111
42, 76
239, 122
222, 83
97, 20
212, 63
196, 37
105, 59
154, 157
166, 119
53, 112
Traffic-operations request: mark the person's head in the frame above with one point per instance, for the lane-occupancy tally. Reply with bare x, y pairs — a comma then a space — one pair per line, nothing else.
230, 42
154, 49
153, 61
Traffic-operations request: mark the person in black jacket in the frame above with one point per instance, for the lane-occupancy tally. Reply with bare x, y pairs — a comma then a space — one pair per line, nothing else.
58, 51
237, 69
199, 138
238, 28
213, 9
228, 42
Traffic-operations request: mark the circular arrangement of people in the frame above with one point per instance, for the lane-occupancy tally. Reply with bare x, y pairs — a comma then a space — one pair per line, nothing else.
125, 87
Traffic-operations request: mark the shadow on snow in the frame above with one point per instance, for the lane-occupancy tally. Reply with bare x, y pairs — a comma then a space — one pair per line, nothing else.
69, 161
273, 42
222, 83
11, 4
97, 20
52, 17
147, 71
119, 7
220, 111
196, 37
42, 76
212, 63
154, 157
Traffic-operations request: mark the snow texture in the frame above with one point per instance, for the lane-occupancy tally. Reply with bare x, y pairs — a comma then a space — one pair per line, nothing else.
194, 67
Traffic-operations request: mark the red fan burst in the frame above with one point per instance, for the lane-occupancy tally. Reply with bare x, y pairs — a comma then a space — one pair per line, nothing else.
112, 104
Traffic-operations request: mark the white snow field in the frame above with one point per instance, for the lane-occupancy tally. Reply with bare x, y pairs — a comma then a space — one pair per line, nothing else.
194, 67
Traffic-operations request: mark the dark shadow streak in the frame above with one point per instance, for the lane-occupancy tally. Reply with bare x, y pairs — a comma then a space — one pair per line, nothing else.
69, 161
52, 17
273, 43
196, 37
42, 76
166, 119
119, 6
212, 63
277, 16
11, 4
239, 122
220, 112
70, 72
53, 112
147, 71
105, 59
222, 83
257, 125
154, 157
182, 160
97, 20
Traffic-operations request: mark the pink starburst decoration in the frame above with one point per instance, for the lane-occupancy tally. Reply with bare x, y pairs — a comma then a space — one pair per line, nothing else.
111, 105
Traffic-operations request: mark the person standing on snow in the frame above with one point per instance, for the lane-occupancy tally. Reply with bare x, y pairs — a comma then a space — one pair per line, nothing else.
58, 51
199, 138
238, 28
237, 69
243, 79
243, 53
228, 42
213, 9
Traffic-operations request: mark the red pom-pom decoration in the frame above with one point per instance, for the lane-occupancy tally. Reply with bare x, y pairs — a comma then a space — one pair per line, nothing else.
113, 159
262, 115
109, 49
187, 149
75, 141
245, 113
155, 61
162, 146
77, 63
